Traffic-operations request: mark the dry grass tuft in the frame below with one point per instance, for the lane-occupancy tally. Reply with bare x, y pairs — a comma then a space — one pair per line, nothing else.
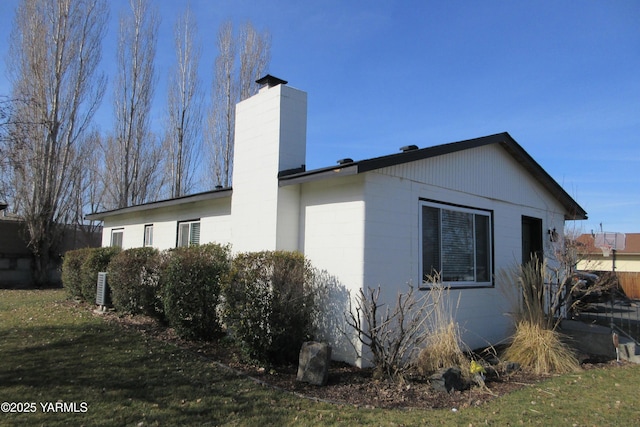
443, 343
442, 350
540, 350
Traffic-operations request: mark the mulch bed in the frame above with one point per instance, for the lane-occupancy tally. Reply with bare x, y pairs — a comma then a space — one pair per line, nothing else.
347, 384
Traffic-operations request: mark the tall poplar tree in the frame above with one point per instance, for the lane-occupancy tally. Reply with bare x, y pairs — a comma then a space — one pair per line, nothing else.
54, 53
132, 155
240, 62
184, 109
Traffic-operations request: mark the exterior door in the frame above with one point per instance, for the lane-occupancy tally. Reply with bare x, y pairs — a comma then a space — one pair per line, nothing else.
531, 238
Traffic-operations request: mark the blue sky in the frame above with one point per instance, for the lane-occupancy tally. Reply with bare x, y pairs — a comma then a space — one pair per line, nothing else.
562, 77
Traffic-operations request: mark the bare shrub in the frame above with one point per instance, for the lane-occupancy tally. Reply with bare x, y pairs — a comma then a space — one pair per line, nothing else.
393, 334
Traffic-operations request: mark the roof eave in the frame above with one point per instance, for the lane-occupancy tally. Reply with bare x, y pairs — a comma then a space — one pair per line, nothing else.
319, 174
199, 197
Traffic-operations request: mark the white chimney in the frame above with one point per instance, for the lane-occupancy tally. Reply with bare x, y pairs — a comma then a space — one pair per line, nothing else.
270, 137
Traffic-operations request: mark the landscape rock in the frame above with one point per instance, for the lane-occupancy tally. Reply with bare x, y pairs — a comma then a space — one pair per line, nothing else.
448, 379
511, 367
313, 364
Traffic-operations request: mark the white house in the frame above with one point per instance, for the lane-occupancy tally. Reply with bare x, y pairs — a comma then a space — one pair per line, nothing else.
466, 209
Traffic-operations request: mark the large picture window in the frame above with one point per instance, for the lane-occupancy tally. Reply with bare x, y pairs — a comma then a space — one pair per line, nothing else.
456, 243
189, 233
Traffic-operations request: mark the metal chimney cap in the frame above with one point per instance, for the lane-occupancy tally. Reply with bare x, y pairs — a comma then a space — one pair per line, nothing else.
270, 81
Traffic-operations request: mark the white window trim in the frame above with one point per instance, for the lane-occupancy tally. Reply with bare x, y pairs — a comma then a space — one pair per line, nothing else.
458, 208
145, 242
179, 235
117, 231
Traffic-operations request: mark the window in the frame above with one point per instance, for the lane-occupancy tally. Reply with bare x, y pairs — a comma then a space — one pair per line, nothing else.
456, 243
189, 233
148, 235
116, 237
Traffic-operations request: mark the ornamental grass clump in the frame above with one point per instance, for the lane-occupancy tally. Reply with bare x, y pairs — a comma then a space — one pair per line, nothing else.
540, 350
442, 348
536, 345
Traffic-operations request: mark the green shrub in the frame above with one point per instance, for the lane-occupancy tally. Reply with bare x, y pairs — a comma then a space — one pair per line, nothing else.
72, 271
270, 304
133, 279
96, 261
191, 279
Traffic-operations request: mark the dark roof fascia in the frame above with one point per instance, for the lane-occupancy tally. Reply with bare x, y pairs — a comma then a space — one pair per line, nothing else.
574, 211
192, 198
318, 174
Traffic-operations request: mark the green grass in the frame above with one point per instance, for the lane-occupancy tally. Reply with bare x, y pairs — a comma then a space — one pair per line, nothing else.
52, 350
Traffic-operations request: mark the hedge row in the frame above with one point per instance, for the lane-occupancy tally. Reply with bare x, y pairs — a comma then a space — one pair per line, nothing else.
264, 300
80, 270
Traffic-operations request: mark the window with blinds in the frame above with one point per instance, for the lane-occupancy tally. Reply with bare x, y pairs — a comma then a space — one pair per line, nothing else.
456, 244
189, 233
148, 235
116, 237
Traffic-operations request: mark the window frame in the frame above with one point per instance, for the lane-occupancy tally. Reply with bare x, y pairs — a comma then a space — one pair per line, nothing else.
487, 213
119, 231
179, 233
148, 236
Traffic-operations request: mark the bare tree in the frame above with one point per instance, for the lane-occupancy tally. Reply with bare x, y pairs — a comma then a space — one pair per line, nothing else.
55, 50
255, 55
133, 156
182, 136
90, 191
231, 85
5, 113
222, 117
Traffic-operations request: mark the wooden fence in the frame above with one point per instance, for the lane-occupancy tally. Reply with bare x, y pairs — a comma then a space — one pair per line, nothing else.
630, 283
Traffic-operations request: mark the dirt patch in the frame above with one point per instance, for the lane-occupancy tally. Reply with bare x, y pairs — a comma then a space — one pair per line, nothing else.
347, 384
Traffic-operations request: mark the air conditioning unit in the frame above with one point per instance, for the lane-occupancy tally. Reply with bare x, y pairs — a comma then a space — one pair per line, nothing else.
103, 293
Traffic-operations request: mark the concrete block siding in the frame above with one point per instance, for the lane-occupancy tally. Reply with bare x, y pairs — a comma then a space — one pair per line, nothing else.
360, 223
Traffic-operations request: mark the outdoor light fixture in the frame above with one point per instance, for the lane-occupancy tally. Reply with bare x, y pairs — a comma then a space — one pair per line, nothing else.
553, 235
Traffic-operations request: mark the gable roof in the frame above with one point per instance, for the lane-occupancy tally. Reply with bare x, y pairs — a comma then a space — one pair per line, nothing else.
409, 154
412, 154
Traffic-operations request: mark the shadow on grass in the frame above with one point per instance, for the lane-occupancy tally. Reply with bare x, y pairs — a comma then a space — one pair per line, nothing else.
124, 378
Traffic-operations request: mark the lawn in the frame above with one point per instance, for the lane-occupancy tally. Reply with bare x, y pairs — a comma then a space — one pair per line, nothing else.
63, 365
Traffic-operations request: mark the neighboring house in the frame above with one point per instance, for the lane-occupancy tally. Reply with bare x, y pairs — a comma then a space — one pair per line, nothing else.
16, 259
467, 209
591, 258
